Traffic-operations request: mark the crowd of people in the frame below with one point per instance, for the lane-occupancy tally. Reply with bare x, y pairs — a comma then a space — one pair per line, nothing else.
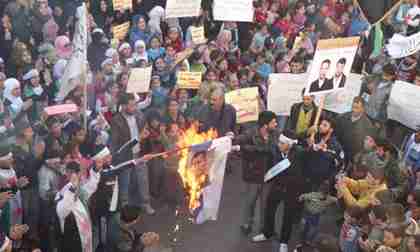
81, 181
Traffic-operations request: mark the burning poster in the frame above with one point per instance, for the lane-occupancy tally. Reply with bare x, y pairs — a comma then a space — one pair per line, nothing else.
202, 169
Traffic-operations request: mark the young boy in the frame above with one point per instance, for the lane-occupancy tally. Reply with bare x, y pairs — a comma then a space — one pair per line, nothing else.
364, 189
350, 230
128, 239
315, 203
377, 219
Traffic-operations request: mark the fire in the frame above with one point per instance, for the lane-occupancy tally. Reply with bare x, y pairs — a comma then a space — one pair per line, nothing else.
193, 177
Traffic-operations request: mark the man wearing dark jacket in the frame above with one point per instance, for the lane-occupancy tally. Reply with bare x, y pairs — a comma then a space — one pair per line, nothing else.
256, 147
29, 159
218, 114
127, 126
324, 155
353, 127
302, 116
287, 186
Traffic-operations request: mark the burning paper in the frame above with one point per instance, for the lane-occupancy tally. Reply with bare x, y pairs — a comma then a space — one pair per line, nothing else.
202, 168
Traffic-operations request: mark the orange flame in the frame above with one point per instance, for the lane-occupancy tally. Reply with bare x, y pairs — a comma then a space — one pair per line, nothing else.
194, 178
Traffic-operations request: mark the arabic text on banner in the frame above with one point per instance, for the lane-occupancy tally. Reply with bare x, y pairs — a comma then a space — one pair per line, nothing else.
182, 8
233, 10
139, 81
404, 104
245, 101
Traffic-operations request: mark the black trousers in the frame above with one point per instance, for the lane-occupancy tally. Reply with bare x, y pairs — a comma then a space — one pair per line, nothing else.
290, 215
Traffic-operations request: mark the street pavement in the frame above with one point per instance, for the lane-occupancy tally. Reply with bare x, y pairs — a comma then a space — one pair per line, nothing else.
222, 235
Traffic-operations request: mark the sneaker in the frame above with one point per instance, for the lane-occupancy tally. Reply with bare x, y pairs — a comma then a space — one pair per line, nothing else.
283, 247
246, 229
148, 209
259, 238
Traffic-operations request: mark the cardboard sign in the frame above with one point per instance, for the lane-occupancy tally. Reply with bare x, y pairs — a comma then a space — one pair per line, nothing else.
284, 91
400, 46
246, 103
182, 8
122, 5
197, 34
331, 66
121, 31
189, 80
404, 104
233, 10
61, 109
139, 81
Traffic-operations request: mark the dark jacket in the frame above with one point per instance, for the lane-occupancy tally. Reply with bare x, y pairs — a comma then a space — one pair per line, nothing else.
320, 165
96, 52
294, 115
120, 133
351, 135
223, 121
328, 85
290, 182
27, 165
257, 155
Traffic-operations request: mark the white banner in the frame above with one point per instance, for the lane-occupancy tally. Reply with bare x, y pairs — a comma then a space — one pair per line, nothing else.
182, 8
404, 104
76, 67
341, 101
233, 10
284, 91
400, 46
212, 193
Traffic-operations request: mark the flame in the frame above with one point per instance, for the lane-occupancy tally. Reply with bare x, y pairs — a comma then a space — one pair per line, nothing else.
194, 178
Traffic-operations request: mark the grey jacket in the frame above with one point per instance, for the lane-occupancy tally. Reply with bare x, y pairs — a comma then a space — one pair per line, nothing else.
378, 102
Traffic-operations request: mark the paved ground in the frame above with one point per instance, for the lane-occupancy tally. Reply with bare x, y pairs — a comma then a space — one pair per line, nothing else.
220, 236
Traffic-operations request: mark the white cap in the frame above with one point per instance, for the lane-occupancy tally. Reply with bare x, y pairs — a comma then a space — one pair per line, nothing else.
140, 43
110, 52
1, 60
124, 46
31, 74
98, 30
106, 62
103, 153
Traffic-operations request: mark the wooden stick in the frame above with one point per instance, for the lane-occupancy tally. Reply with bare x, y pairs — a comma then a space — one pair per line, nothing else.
389, 12
318, 115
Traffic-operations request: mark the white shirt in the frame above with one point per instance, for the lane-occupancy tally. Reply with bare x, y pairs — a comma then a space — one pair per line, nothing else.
337, 81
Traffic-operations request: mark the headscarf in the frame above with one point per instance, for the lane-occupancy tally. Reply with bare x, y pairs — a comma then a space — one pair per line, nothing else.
16, 102
156, 15
136, 33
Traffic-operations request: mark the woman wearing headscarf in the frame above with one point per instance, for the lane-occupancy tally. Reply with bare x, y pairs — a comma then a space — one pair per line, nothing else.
36, 92
102, 13
140, 31
13, 101
140, 52
156, 15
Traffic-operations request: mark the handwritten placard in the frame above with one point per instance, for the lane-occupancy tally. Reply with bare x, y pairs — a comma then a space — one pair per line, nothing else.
245, 101
121, 31
182, 8
189, 80
139, 81
122, 5
61, 109
233, 10
197, 34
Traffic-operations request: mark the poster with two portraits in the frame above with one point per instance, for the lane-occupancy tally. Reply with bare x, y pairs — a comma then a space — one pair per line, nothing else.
331, 65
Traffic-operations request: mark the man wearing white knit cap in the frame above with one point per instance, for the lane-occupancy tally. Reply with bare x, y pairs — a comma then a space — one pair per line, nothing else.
286, 186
